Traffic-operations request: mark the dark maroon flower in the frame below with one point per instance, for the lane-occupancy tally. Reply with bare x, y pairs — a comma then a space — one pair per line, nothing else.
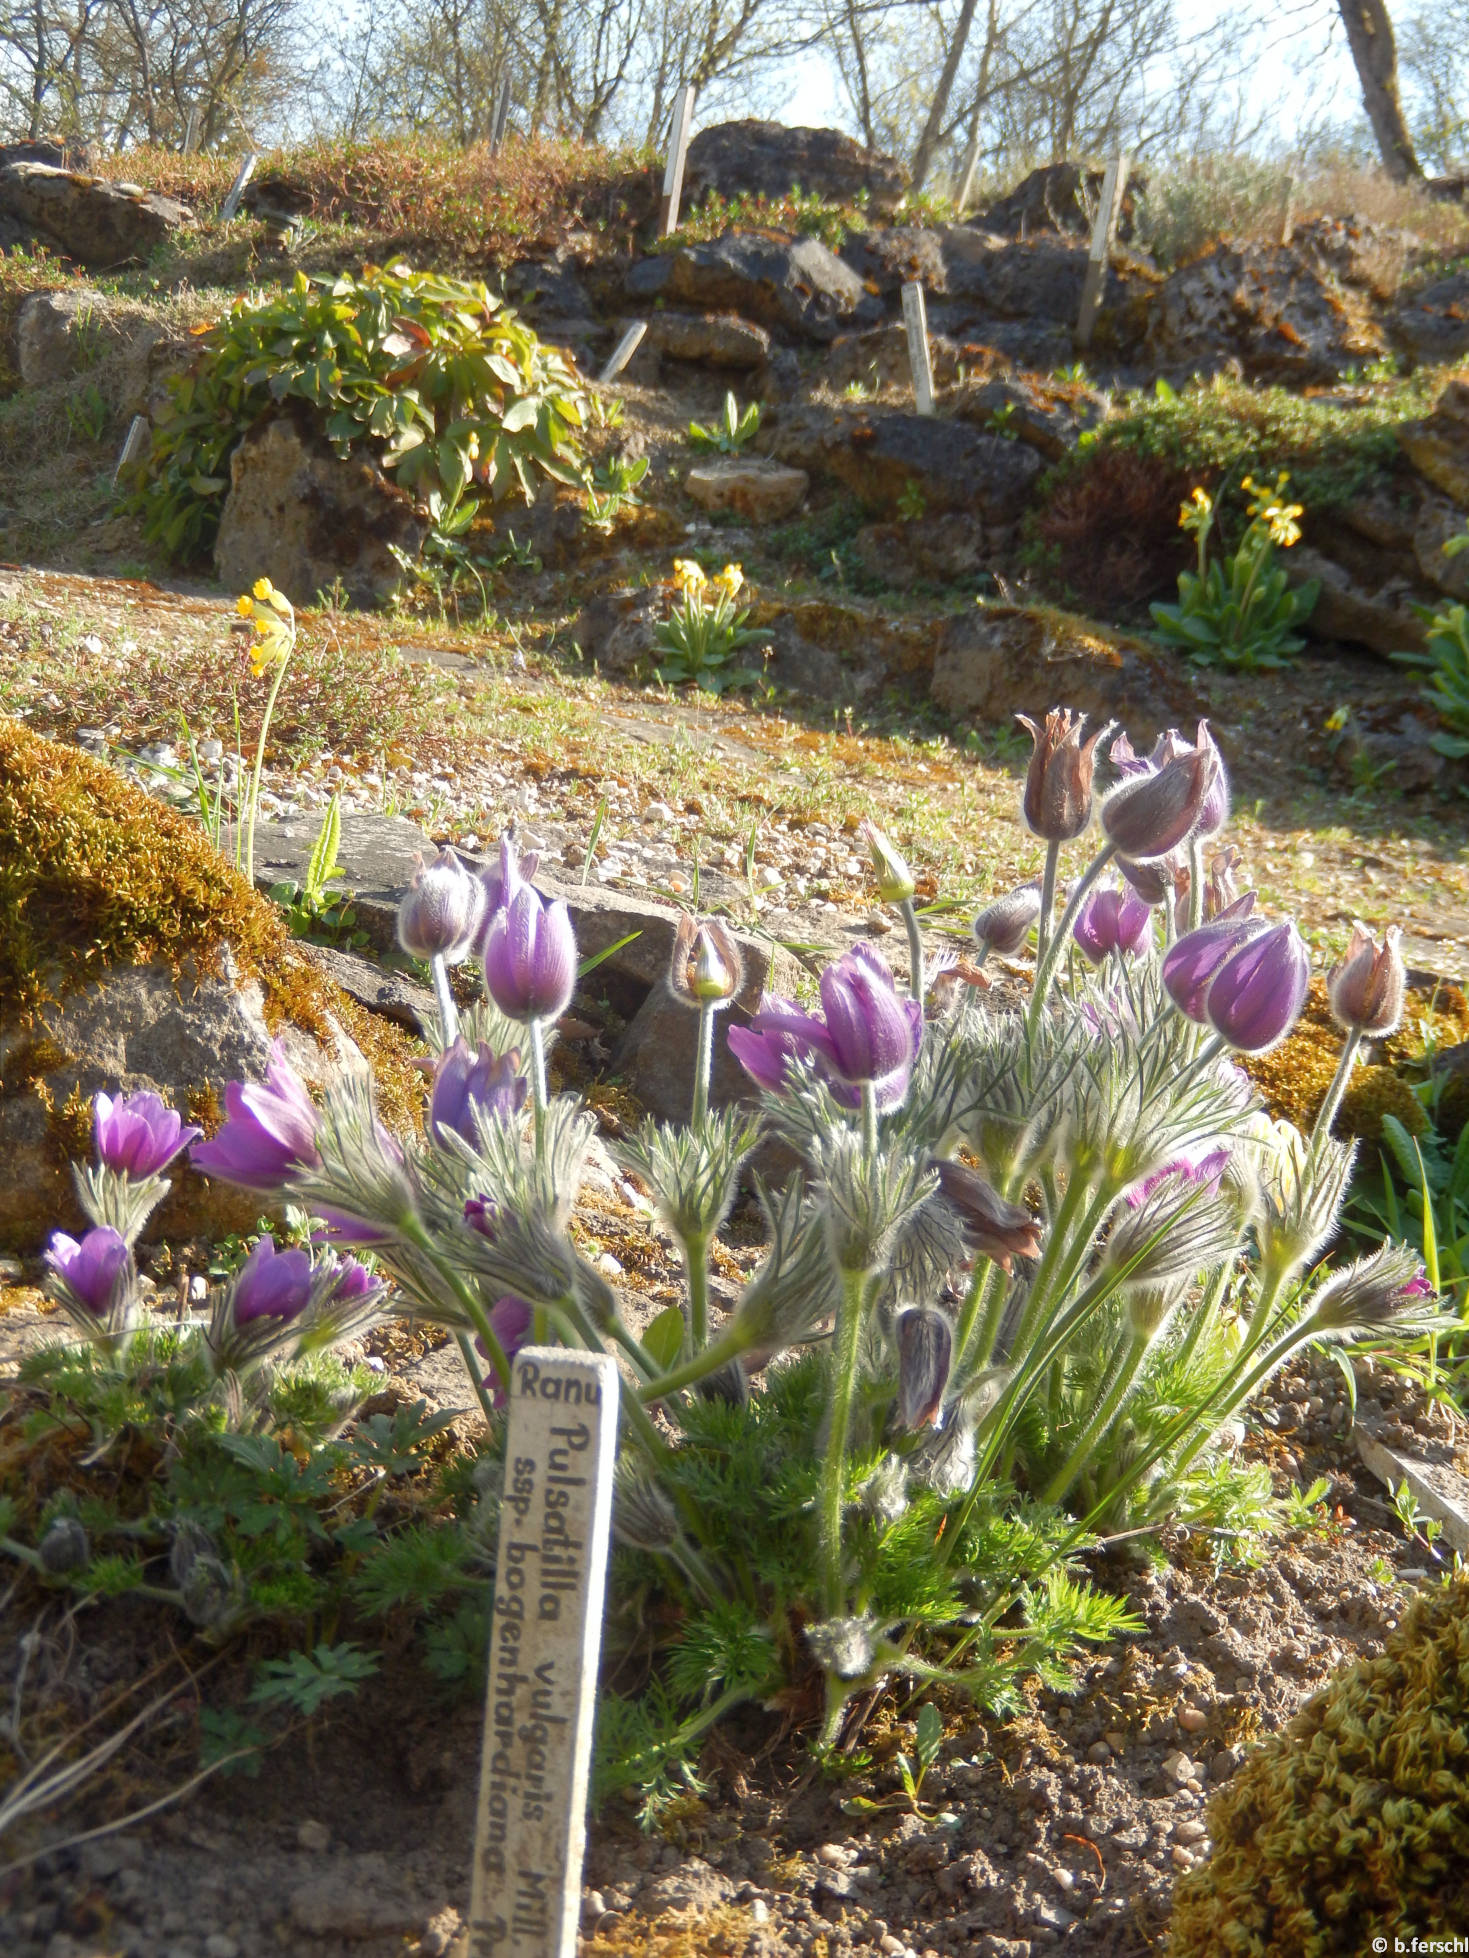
925, 1355
1058, 784
1368, 987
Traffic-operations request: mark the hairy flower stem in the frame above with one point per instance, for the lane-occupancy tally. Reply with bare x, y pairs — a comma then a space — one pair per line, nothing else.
833, 1468
869, 1119
1195, 883
696, 1271
1208, 1305
1327, 1115
471, 1367
1045, 970
448, 1016
259, 769
917, 979
1121, 1375
703, 1063
538, 1085
1068, 1243
691, 1371
984, 1307
1048, 901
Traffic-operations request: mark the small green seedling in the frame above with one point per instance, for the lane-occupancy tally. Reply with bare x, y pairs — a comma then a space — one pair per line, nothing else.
736, 429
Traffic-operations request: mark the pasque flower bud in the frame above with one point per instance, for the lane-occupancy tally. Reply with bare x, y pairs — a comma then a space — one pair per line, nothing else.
530, 958
442, 910
1366, 990
707, 968
925, 1354
1005, 925
1058, 784
1112, 921
895, 881
1147, 816
1256, 996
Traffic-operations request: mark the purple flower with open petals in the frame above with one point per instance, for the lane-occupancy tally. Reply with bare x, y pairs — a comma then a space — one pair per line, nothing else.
866, 1032
530, 957
1189, 967
466, 1082
511, 1321
1256, 996
138, 1135
95, 1271
1206, 1172
1113, 921
272, 1284
269, 1134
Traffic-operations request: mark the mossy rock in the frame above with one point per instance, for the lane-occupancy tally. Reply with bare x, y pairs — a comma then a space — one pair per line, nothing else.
1353, 1824
132, 956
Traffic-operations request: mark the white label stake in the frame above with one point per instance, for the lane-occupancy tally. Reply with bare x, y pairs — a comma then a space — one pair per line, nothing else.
915, 319
1104, 237
678, 149
502, 112
545, 1637
232, 203
623, 352
134, 443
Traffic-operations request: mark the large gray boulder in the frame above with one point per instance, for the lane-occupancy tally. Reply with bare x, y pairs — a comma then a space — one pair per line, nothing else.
1433, 324
794, 283
63, 333
887, 458
300, 516
1058, 197
93, 220
1272, 311
767, 159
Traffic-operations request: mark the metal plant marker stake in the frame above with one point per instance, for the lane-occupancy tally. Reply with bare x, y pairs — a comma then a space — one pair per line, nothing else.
190, 132
501, 116
237, 188
623, 352
678, 149
968, 171
132, 446
1104, 237
545, 1637
915, 319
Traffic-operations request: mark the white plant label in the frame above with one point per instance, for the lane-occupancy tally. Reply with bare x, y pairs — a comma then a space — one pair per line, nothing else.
545, 1637
915, 322
623, 352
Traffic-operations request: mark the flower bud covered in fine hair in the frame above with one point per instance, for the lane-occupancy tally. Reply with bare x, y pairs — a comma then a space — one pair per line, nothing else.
994, 1227
1389, 1284
1005, 925
1058, 784
707, 968
1147, 816
530, 958
65, 1546
1366, 990
1190, 965
1112, 921
925, 1354
1256, 996
442, 910
895, 881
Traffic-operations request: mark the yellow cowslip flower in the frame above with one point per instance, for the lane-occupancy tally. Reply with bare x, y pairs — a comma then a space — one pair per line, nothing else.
1281, 520
1198, 510
690, 577
274, 621
730, 579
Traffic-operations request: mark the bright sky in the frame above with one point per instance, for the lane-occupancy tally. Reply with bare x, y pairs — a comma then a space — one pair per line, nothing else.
1303, 64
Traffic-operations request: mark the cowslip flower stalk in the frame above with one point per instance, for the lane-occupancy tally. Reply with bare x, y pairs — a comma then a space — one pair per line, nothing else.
272, 622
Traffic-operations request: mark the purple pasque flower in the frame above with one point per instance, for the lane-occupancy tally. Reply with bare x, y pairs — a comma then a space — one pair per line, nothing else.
352, 1283
511, 1321
442, 911
466, 1083
1156, 882
269, 1133
1111, 921
1189, 966
866, 1033
138, 1135
1203, 1173
95, 1270
502, 882
1004, 925
1149, 816
271, 1284
482, 1214
1256, 996
530, 957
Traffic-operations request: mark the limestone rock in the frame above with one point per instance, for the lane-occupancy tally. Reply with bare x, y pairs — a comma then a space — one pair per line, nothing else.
616, 630
990, 662
897, 255
887, 458
1438, 447
59, 334
1433, 324
879, 358
932, 550
1269, 308
1037, 279
100, 223
753, 487
1049, 419
1058, 197
714, 339
1345, 611
299, 516
1439, 523
794, 283
136, 1029
770, 160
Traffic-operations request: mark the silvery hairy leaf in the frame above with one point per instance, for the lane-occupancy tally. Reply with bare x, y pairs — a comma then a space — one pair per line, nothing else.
883, 1495
946, 1460
795, 1291
123, 1203
642, 1515
984, 1082
868, 1200
693, 1173
844, 1646
1301, 1194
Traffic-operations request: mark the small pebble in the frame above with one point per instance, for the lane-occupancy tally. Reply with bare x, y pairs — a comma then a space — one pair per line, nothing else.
760, 1911
1182, 1860
1192, 1719
313, 1836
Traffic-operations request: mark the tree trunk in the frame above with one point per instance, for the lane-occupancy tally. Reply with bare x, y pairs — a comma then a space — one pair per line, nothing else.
933, 129
1370, 37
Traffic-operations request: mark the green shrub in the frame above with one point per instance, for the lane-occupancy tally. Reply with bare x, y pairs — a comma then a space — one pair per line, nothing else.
1184, 210
1353, 1825
446, 384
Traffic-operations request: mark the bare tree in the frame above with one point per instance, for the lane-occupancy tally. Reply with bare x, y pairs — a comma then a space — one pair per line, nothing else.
1375, 55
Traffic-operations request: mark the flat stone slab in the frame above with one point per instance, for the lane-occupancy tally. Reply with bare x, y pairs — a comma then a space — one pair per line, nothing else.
1441, 1493
754, 488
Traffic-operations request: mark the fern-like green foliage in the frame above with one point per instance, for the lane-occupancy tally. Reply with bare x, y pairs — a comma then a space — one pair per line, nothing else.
435, 377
